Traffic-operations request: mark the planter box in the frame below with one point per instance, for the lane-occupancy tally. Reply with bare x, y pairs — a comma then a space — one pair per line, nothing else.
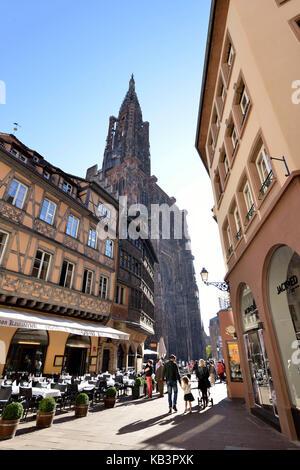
138, 392
8, 428
109, 402
81, 410
44, 419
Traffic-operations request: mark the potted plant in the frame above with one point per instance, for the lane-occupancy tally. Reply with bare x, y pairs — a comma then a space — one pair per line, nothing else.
46, 412
110, 397
10, 419
138, 387
81, 405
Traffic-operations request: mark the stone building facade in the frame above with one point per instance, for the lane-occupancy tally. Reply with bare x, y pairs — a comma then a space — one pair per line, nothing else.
126, 171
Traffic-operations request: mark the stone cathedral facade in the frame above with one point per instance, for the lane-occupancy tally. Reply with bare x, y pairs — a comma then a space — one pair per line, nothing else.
126, 171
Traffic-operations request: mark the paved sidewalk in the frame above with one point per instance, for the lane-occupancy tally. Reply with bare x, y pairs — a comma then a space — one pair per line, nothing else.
146, 425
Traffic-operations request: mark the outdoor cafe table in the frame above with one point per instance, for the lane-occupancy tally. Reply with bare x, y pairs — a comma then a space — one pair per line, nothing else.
36, 391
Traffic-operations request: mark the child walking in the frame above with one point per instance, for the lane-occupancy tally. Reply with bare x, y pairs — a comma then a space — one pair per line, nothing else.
188, 396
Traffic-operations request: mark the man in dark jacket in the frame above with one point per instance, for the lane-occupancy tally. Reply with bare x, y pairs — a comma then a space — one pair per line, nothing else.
171, 375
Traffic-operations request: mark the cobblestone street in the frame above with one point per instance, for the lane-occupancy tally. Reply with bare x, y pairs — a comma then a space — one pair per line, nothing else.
146, 425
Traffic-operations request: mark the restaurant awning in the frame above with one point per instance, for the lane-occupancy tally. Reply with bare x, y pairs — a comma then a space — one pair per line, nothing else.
35, 321
149, 352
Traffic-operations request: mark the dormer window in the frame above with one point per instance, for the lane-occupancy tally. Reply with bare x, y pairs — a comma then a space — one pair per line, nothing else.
46, 175
35, 159
67, 187
22, 158
103, 211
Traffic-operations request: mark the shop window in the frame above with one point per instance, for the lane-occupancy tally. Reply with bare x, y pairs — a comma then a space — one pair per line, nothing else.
283, 292
16, 194
48, 211
72, 226
66, 277
103, 287
234, 362
3, 243
256, 353
92, 240
41, 265
87, 281
27, 351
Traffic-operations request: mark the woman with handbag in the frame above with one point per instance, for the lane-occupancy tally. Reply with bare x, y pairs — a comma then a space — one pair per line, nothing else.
203, 381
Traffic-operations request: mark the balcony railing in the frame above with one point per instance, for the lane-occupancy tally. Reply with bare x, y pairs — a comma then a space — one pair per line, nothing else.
266, 184
250, 213
230, 250
239, 234
28, 292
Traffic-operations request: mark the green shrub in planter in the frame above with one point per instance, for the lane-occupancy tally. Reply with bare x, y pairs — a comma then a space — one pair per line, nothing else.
12, 411
82, 399
47, 404
139, 382
111, 392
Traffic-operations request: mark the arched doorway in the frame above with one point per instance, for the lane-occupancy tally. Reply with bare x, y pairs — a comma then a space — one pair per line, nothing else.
258, 363
77, 354
283, 291
120, 357
27, 351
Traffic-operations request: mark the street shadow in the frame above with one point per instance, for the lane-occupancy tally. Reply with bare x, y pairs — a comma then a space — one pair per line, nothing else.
140, 424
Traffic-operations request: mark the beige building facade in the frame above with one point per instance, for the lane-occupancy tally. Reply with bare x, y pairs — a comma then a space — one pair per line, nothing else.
248, 140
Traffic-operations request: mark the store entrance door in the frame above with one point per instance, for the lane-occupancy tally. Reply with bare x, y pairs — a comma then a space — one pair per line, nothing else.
105, 362
260, 373
76, 361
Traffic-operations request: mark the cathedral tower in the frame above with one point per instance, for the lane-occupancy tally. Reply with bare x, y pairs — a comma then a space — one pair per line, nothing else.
126, 171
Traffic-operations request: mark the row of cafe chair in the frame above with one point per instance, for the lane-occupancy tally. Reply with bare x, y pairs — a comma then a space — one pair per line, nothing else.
68, 389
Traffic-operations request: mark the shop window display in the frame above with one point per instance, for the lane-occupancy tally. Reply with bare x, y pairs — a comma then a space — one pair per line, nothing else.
284, 304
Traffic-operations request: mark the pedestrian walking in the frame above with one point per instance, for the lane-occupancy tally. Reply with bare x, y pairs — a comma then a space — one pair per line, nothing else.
188, 396
212, 373
203, 381
148, 374
159, 377
171, 376
221, 371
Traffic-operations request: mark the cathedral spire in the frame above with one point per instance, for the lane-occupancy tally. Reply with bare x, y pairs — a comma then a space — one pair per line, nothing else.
132, 82
128, 135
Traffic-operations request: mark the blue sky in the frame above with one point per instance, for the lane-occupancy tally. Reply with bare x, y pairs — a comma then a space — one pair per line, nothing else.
66, 65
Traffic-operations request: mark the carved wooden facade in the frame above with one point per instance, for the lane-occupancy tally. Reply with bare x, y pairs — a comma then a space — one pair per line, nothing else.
26, 233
